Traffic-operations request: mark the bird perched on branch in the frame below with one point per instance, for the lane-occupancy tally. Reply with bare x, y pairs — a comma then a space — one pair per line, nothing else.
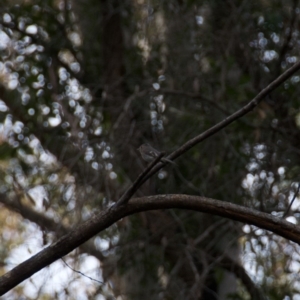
148, 154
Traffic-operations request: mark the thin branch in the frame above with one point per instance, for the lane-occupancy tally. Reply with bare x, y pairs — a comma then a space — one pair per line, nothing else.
235, 116
82, 274
234, 267
193, 96
46, 223
208, 231
196, 289
126, 107
133, 188
106, 218
291, 203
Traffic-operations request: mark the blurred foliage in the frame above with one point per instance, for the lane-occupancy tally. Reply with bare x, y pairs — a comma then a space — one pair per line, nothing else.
83, 84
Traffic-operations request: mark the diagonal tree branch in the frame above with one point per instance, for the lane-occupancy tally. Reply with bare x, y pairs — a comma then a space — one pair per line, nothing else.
234, 267
238, 114
227, 121
133, 188
46, 223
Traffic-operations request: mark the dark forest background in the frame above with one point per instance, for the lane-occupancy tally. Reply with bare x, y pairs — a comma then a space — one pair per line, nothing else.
84, 83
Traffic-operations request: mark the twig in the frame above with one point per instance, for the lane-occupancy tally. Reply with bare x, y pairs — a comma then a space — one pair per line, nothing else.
193, 96
235, 116
291, 203
132, 189
82, 274
234, 267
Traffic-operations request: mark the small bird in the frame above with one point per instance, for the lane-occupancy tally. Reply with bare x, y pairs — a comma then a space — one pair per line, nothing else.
148, 154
